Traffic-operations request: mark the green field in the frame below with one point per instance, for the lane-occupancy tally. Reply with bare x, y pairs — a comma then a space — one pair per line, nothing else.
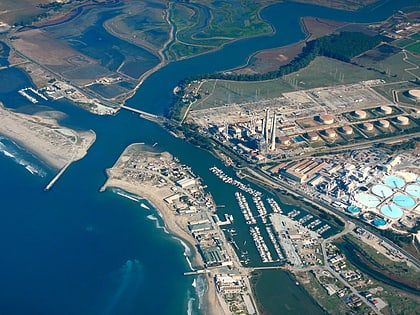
415, 48
403, 42
329, 72
397, 268
416, 36
228, 92
333, 304
205, 25
321, 72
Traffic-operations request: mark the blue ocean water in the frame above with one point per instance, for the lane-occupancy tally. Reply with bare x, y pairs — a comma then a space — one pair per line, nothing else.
73, 250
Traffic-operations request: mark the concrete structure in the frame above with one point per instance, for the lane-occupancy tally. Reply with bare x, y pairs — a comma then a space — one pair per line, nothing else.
346, 130
266, 135
273, 133
325, 119
402, 120
284, 140
415, 94
359, 114
386, 110
312, 136
303, 170
383, 123
367, 126
329, 133
172, 198
186, 182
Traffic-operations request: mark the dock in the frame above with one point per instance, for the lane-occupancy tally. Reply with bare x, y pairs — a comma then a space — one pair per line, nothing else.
195, 272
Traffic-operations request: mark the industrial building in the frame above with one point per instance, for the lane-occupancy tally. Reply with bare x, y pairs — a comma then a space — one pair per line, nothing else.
303, 170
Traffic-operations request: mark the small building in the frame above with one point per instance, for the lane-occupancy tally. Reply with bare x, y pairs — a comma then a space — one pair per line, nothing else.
186, 182
170, 199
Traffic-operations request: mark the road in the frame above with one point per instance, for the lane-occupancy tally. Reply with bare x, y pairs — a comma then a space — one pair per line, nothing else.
275, 183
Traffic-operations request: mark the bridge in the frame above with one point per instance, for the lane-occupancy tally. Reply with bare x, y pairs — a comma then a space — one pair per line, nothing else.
143, 114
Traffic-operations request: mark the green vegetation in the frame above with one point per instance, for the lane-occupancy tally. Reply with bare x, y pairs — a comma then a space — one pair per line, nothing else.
398, 302
332, 304
329, 72
416, 36
219, 92
192, 135
414, 48
397, 268
403, 42
342, 46
205, 25
322, 71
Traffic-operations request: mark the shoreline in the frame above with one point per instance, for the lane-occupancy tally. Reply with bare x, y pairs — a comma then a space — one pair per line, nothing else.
42, 136
210, 300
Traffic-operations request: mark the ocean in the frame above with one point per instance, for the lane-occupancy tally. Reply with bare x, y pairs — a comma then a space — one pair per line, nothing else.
74, 250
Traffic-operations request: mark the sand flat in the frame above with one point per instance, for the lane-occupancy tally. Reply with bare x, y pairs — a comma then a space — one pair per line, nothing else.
53, 144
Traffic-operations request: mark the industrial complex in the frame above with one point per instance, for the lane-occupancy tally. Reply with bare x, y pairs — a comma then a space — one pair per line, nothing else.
306, 122
285, 135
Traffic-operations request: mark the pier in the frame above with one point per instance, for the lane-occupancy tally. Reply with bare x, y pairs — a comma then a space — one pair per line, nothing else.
143, 114
195, 272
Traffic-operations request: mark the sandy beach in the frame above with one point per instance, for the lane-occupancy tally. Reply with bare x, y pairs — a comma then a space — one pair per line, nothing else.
175, 224
45, 138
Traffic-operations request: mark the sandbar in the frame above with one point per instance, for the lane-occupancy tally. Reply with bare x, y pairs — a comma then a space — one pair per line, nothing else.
55, 145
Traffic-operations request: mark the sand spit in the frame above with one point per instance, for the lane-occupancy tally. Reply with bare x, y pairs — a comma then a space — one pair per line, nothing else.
55, 145
123, 175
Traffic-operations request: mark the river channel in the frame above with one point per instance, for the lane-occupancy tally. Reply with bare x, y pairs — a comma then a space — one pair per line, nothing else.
73, 250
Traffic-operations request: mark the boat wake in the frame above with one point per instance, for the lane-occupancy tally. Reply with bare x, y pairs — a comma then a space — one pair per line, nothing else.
11, 150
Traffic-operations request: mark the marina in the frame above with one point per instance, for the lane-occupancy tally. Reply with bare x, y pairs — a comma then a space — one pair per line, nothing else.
30, 98
229, 180
245, 209
262, 211
260, 244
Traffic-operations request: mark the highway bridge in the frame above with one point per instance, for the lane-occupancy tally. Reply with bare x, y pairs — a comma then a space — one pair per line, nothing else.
143, 114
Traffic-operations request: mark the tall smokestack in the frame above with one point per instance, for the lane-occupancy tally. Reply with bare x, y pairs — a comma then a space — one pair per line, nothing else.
273, 133
267, 136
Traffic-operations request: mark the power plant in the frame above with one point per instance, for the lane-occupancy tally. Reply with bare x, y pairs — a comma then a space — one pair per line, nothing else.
273, 133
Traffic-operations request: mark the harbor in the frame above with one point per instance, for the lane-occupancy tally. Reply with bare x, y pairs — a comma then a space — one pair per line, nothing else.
35, 93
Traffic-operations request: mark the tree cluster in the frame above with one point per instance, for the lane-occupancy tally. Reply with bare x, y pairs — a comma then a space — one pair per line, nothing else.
342, 46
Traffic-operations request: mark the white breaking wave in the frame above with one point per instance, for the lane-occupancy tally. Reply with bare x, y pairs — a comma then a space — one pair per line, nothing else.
158, 225
144, 206
13, 153
200, 288
190, 310
6, 153
187, 252
126, 194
